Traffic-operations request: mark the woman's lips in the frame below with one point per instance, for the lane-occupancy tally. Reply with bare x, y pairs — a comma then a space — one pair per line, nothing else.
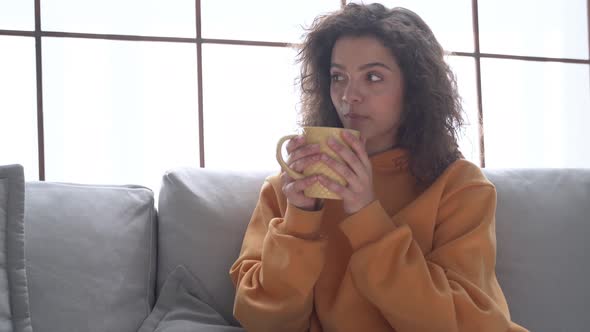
354, 116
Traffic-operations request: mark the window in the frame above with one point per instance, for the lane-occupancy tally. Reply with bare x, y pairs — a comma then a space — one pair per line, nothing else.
237, 134
18, 106
120, 91
118, 111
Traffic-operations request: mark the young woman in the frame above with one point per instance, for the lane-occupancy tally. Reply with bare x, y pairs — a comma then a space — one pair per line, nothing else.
411, 246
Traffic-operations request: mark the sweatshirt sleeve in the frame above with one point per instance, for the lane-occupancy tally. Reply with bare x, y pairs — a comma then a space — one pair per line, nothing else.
279, 263
453, 287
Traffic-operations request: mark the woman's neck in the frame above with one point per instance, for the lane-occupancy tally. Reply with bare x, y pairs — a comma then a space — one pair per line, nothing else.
374, 148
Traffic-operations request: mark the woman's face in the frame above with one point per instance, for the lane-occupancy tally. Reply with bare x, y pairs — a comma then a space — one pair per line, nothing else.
367, 90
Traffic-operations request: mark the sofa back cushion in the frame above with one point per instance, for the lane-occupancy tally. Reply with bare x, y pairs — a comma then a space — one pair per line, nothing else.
203, 215
542, 228
90, 256
543, 221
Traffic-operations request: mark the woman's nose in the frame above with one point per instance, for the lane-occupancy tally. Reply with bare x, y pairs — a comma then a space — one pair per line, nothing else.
352, 94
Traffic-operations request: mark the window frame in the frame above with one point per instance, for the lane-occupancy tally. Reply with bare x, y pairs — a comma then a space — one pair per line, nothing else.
38, 34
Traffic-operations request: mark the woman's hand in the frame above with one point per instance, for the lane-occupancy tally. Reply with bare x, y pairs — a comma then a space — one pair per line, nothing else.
301, 155
355, 168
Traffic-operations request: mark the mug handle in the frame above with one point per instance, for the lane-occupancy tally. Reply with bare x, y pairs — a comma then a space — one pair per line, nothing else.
284, 166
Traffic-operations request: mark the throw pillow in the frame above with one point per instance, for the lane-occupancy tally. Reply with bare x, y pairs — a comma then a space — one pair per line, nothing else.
184, 306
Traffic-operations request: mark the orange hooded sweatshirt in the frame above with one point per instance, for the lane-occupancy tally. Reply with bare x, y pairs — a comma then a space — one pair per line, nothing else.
412, 260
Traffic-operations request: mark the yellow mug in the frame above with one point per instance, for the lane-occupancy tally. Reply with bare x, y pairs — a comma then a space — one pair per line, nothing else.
317, 135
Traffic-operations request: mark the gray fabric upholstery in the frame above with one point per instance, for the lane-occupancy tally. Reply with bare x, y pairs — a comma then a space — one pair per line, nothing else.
14, 298
183, 307
203, 215
90, 249
90, 256
543, 223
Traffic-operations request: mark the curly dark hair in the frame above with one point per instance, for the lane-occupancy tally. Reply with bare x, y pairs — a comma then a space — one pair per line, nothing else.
432, 114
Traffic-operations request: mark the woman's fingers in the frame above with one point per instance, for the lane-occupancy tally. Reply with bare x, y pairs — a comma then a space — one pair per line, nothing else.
358, 146
301, 164
285, 179
355, 168
342, 169
293, 190
301, 184
302, 152
350, 158
345, 193
294, 143
291, 185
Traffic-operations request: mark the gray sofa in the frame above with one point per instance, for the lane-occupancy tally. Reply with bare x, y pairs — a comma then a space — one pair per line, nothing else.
97, 257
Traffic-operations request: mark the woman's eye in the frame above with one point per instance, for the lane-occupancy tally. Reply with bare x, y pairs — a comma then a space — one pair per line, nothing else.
374, 78
337, 78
